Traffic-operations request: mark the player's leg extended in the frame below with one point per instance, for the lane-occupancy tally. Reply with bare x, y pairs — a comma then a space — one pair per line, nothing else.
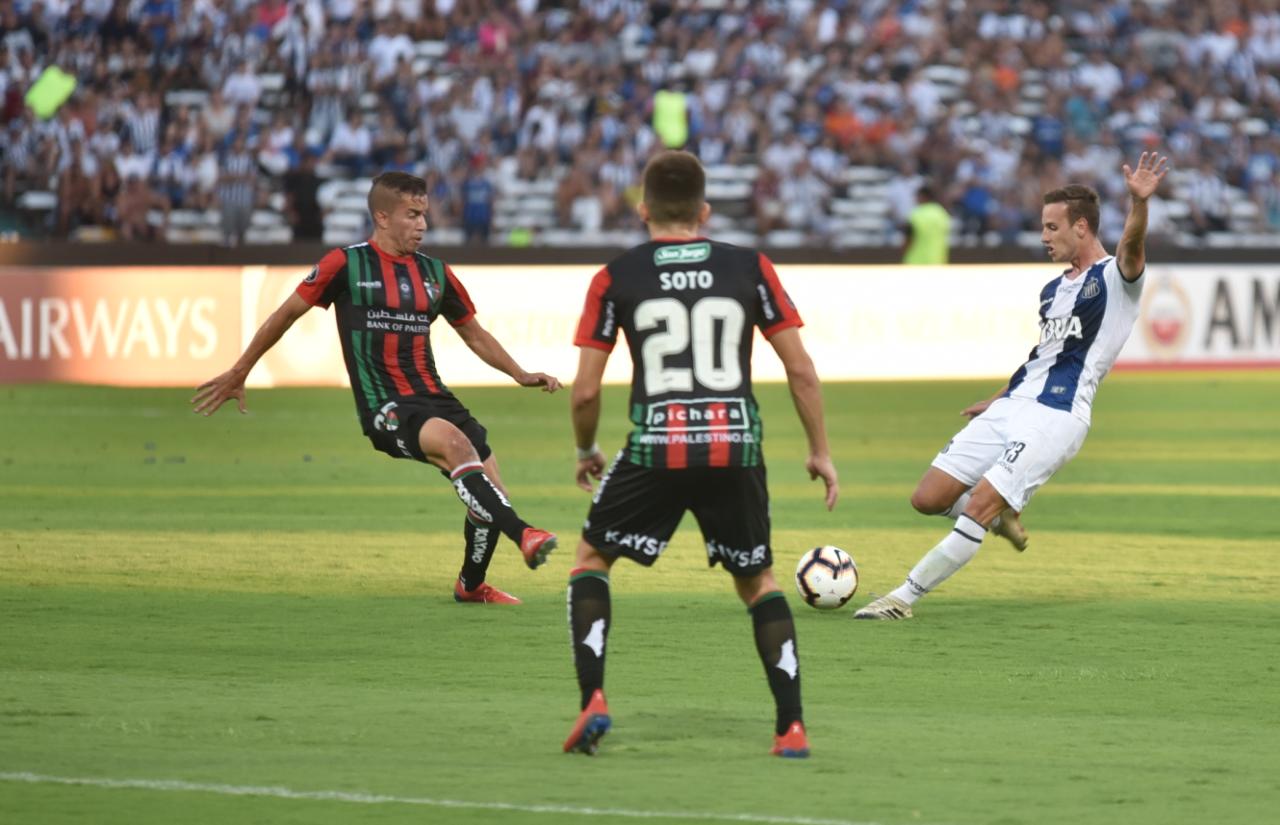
448, 448
590, 613
947, 556
481, 539
775, 634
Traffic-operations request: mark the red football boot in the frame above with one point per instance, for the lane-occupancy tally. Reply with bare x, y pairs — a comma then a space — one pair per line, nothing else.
535, 544
793, 744
484, 594
592, 724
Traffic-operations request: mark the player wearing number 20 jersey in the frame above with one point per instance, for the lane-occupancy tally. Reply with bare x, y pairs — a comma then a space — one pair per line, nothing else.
689, 309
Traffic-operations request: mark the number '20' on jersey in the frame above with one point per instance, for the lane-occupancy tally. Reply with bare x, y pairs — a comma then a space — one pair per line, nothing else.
688, 309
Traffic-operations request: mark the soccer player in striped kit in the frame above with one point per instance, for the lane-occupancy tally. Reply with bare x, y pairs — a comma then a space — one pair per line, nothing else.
688, 307
1022, 435
386, 294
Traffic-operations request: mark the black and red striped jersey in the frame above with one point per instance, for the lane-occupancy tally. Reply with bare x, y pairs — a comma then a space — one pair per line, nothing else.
384, 306
689, 309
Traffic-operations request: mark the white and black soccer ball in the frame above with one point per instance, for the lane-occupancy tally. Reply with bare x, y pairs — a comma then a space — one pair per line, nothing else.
826, 577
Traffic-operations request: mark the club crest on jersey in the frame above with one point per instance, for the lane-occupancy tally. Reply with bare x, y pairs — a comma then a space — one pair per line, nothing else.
433, 291
405, 289
311, 276
690, 253
387, 419
1057, 329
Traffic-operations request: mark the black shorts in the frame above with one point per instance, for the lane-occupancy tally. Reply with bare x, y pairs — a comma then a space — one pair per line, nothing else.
394, 428
636, 509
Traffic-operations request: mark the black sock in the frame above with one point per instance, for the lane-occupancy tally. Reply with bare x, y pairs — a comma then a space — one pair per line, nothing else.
481, 538
589, 617
485, 500
776, 643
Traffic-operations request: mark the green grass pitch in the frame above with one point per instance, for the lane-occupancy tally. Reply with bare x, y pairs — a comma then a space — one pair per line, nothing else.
253, 604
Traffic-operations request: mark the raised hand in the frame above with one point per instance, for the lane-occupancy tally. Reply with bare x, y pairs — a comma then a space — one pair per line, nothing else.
1144, 180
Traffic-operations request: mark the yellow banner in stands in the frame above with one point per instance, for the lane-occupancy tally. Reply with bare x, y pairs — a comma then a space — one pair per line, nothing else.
50, 91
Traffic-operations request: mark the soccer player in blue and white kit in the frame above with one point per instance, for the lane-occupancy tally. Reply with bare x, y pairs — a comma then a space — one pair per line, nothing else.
1021, 436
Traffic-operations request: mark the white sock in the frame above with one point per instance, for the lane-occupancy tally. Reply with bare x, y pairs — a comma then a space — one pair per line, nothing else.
954, 511
950, 554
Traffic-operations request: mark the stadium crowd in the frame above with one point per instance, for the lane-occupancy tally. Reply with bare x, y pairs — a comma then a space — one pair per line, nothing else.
827, 116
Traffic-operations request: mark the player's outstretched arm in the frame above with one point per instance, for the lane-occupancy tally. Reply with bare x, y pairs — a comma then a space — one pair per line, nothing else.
480, 341
1142, 182
585, 410
806, 393
215, 392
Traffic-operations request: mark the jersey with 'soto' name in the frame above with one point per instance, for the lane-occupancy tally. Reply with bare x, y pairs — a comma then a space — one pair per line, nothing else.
688, 309
1084, 323
384, 306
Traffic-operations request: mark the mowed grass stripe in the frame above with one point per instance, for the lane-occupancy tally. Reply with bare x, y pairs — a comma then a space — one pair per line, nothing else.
1059, 565
432, 489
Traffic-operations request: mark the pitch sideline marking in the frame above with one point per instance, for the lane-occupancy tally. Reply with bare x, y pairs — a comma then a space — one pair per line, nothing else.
279, 792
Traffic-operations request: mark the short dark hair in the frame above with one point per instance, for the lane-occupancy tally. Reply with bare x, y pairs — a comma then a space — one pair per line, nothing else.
675, 187
392, 185
1081, 201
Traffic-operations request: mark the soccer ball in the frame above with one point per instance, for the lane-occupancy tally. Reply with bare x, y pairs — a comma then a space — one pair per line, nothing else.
826, 577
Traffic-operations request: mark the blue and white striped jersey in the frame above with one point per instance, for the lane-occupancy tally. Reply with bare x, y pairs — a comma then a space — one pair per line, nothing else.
1084, 322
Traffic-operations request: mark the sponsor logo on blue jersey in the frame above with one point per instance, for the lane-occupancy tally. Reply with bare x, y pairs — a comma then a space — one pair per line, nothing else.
1057, 329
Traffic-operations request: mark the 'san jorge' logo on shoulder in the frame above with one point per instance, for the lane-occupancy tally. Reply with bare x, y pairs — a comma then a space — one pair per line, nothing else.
689, 253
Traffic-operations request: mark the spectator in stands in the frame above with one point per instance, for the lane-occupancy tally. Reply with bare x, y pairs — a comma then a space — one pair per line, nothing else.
237, 191
477, 202
578, 200
134, 204
218, 116
131, 163
805, 199
301, 199
274, 145
388, 139
351, 144
204, 172
766, 201
242, 88
927, 231
1207, 197
106, 190
173, 174
76, 190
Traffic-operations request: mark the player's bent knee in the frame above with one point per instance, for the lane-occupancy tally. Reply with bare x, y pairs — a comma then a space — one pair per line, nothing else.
751, 588
445, 444
589, 558
927, 502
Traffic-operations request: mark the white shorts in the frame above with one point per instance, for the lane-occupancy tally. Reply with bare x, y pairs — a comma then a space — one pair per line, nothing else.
1017, 444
